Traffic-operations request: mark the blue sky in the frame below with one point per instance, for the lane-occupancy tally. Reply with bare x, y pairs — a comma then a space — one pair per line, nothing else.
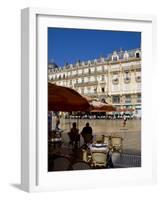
71, 45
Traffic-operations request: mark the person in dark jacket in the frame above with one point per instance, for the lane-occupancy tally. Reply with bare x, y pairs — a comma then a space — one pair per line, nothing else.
87, 133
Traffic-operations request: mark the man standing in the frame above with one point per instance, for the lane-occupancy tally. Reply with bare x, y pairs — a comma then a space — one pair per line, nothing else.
87, 133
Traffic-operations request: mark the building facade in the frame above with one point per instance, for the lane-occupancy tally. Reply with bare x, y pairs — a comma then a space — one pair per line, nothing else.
115, 79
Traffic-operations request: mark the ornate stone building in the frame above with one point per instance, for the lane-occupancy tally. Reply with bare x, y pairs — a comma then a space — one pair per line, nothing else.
115, 78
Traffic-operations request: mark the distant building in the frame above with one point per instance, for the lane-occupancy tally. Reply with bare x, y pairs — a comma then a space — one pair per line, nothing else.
115, 79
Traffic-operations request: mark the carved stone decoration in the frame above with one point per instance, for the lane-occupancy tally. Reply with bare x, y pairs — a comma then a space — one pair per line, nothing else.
127, 80
115, 81
138, 78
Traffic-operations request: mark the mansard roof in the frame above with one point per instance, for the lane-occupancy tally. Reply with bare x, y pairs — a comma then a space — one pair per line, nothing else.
120, 54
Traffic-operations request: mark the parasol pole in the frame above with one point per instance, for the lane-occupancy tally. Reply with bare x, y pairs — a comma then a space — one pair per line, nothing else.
69, 122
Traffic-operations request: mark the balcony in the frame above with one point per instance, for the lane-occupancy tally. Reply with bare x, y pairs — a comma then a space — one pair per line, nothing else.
86, 84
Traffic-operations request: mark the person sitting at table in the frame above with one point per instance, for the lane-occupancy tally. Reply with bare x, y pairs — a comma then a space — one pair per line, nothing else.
74, 135
87, 133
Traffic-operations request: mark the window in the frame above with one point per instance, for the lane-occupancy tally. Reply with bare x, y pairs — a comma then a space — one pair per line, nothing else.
139, 98
103, 78
128, 99
82, 91
115, 58
116, 99
103, 89
89, 71
127, 77
137, 55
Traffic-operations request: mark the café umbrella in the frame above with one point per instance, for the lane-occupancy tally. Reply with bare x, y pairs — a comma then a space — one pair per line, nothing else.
97, 106
65, 99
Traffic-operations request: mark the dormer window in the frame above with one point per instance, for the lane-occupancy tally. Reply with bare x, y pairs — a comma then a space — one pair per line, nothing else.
115, 58
126, 55
83, 63
89, 62
95, 61
137, 55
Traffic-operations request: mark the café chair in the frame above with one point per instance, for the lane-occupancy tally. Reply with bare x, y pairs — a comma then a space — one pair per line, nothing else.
80, 165
116, 143
60, 163
99, 159
107, 140
99, 138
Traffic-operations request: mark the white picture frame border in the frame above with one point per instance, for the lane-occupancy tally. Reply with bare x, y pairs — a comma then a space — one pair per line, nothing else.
29, 135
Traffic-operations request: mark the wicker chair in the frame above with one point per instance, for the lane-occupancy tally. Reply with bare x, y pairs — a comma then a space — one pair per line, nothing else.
107, 140
60, 164
99, 159
99, 138
116, 143
80, 165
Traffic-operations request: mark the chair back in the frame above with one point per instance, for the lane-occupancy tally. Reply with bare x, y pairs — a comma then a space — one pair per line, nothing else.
106, 140
80, 165
99, 138
117, 143
99, 158
60, 164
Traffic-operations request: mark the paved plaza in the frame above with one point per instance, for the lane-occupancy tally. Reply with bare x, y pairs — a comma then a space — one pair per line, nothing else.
131, 133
